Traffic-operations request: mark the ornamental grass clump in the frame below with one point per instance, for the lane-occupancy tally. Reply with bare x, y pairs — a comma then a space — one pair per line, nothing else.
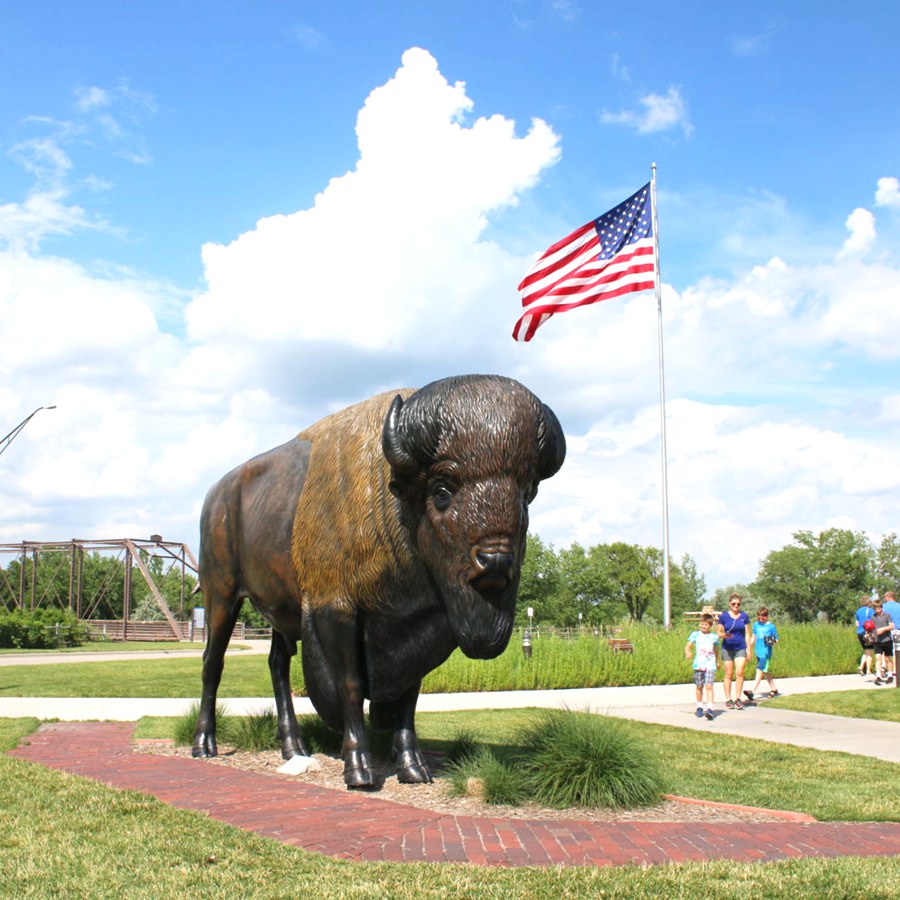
186, 724
463, 744
481, 773
317, 736
255, 732
585, 760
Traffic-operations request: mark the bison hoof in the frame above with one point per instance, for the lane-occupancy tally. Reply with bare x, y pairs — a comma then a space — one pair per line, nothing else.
412, 768
415, 775
359, 778
204, 748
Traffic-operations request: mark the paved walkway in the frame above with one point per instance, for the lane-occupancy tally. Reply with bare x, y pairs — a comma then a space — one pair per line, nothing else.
358, 826
661, 704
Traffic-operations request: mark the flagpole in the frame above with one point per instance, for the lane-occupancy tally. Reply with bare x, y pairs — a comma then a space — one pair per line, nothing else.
667, 608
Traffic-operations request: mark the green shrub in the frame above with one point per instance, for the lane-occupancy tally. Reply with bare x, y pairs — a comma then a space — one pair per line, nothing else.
580, 759
43, 629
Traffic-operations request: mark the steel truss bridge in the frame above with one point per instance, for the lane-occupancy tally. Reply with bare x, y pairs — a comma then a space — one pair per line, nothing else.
28, 592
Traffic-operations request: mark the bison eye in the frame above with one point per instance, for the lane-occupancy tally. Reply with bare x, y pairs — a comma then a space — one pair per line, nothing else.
441, 495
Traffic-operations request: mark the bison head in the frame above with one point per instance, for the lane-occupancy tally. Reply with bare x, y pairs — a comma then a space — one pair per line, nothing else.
466, 456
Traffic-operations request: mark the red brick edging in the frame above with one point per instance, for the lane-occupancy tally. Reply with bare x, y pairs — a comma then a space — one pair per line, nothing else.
364, 827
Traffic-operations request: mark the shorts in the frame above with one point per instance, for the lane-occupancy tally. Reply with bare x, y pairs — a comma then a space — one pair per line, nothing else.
731, 655
704, 676
762, 662
861, 637
885, 647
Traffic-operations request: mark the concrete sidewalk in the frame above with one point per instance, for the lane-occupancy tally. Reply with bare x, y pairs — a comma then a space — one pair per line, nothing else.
661, 704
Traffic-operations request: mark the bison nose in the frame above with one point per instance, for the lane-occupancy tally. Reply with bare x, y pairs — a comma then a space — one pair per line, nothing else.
492, 568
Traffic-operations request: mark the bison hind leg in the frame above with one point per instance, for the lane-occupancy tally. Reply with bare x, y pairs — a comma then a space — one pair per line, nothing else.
280, 654
222, 613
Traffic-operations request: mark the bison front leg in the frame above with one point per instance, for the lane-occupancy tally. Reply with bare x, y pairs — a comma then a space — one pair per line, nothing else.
331, 668
399, 716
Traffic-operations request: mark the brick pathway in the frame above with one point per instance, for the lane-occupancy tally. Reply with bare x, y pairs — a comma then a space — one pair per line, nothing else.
363, 827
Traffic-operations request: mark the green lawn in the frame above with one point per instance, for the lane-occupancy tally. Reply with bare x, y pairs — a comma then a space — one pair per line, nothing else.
883, 705
114, 647
68, 837
180, 677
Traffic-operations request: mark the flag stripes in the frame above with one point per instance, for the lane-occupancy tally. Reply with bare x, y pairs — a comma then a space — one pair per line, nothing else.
608, 257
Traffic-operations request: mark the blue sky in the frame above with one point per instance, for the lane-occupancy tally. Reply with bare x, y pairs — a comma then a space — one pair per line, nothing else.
219, 221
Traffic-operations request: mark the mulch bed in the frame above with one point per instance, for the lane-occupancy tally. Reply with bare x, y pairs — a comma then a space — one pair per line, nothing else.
436, 796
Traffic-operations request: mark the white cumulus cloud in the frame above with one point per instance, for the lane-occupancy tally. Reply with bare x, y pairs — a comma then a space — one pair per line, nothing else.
656, 112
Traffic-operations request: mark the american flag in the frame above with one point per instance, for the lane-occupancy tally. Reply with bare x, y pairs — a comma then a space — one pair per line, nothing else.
607, 257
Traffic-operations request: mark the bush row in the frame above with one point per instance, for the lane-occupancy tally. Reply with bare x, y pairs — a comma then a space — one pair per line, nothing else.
43, 629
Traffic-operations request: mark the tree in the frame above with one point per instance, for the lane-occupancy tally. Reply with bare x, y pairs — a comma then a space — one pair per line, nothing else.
694, 582
588, 588
539, 583
887, 564
747, 592
637, 574
818, 573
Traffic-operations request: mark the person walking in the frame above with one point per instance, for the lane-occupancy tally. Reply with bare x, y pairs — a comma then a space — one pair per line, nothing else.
884, 645
704, 643
892, 608
734, 630
864, 634
763, 639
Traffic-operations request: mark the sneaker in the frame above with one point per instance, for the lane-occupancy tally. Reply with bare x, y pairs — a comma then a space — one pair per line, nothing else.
878, 680
738, 704
709, 715
729, 704
748, 695
861, 671
699, 713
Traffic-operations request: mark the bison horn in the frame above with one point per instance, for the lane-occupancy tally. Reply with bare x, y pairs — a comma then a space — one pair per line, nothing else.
551, 442
401, 461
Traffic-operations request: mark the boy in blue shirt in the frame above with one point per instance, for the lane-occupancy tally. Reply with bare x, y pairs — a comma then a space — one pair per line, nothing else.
705, 644
763, 640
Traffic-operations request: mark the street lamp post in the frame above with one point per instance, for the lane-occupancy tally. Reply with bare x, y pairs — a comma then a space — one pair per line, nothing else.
6, 441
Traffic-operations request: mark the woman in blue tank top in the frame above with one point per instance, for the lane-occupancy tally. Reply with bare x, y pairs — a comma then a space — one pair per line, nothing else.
734, 629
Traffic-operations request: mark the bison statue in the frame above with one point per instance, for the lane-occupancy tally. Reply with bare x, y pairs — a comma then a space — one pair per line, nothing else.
382, 538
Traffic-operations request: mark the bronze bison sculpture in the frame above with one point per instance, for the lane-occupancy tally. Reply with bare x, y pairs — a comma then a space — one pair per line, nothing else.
381, 538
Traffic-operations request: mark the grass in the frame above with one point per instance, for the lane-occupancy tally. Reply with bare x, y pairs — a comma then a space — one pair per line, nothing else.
114, 647
813, 649
562, 759
728, 769
68, 837
883, 705
244, 676
576, 759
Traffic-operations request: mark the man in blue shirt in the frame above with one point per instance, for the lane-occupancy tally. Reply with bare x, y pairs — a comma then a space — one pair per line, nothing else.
892, 608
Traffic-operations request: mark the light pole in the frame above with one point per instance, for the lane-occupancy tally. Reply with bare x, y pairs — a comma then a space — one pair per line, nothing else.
5, 442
